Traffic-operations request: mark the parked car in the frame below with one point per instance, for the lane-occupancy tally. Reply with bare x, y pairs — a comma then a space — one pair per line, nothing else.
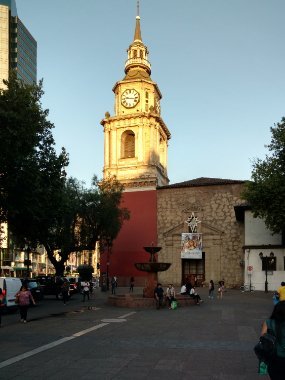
35, 288
10, 286
51, 285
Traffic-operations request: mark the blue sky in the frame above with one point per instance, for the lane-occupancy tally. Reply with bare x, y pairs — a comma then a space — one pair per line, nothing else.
218, 63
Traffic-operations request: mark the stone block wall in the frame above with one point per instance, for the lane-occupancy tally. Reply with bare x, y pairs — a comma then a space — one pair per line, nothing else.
223, 235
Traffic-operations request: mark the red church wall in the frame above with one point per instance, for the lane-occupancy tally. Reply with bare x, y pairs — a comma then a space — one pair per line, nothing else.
137, 232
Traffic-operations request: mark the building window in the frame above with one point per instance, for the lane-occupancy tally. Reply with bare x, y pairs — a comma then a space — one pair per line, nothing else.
128, 144
135, 54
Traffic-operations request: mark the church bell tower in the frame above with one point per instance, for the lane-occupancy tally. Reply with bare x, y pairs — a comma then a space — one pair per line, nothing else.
135, 137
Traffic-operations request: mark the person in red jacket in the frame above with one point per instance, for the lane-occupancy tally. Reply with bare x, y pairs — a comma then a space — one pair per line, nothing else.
24, 297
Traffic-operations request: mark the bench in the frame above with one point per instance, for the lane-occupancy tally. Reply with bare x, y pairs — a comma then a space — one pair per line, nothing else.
184, 300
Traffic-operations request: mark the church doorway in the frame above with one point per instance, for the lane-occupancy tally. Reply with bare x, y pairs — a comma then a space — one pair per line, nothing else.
193, 270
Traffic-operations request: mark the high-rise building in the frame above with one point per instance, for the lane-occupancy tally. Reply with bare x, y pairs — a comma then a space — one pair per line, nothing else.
18, 48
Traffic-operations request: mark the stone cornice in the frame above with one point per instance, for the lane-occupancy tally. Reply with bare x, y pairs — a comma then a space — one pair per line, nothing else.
131, 117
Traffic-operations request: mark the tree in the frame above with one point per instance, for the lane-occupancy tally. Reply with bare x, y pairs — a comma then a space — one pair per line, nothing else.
32, 174
266, 192
40, 205
85, 272
84, 217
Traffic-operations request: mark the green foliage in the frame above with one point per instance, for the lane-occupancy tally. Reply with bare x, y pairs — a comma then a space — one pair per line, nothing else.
85, 272
39, 203
32, 174
266, 192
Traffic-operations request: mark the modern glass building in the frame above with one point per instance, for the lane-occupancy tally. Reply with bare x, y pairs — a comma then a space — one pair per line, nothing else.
18, 48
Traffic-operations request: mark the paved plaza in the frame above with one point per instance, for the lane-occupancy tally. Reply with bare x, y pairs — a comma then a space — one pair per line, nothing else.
93, 340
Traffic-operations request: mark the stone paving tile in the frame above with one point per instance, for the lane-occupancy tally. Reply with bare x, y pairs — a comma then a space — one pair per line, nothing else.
210, 342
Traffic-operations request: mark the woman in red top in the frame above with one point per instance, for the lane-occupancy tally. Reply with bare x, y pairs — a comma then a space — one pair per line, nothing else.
24, 298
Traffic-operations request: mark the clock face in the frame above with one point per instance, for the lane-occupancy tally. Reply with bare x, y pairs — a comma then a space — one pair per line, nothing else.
130, 98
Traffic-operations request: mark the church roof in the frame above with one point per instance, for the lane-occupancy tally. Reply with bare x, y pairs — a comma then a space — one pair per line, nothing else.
203, 181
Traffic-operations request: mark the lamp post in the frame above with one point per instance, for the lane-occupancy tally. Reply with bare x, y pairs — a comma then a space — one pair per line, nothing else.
28, 262
266, 270
107, 280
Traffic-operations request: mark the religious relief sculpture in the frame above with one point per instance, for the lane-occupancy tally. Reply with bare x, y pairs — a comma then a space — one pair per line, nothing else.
192, 222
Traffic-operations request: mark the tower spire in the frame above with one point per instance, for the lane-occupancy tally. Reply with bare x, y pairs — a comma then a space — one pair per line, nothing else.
138, 26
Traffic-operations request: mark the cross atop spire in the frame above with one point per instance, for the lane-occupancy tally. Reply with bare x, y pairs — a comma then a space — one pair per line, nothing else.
138, 8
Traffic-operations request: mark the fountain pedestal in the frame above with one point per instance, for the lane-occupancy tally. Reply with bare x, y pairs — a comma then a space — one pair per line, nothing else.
152, 267
151, 283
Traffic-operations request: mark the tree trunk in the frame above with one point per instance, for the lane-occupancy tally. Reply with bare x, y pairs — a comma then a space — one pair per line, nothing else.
58, 265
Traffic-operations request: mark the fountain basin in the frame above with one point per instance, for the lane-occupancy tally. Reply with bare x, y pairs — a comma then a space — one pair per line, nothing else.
152, 267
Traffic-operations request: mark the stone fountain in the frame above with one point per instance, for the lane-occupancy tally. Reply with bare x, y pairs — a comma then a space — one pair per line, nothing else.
145, 300
152, 267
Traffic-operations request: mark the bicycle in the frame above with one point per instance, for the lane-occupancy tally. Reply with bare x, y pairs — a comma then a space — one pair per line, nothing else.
247, 288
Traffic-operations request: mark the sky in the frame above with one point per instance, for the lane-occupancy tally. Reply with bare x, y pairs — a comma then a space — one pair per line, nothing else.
219, 64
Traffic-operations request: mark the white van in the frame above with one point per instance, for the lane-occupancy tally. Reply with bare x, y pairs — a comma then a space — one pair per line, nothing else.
10, 286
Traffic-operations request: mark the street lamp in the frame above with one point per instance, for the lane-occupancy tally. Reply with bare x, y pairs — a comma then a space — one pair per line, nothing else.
108, 263
28, 262
266, 261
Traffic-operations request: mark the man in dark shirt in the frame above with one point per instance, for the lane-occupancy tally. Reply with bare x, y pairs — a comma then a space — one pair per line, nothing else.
158, 295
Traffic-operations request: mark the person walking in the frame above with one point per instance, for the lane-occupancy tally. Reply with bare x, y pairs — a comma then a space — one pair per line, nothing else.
86, 290
132, 284
276, 322
211, 289
2, 304
221, 289
65, 291
24, 297
170, 295
281, 291
158, 295
114, 284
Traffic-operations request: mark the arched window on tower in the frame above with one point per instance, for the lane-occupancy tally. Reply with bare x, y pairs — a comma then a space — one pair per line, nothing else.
146, 101
141, 54
161, 150
128, 144
135, 54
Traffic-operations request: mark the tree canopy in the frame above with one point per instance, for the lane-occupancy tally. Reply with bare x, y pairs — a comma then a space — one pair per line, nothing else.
39, 203
85, 217
266, 192
32, 174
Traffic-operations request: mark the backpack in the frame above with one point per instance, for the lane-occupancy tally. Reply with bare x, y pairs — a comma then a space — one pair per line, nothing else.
265, 349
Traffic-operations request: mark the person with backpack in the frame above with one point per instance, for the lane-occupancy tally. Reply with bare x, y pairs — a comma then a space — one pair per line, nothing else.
276, 325
85, 285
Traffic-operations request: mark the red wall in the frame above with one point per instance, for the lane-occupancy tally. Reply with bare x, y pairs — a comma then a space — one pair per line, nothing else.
137, 232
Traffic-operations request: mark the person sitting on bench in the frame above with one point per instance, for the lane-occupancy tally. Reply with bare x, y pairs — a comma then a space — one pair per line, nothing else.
196, 296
